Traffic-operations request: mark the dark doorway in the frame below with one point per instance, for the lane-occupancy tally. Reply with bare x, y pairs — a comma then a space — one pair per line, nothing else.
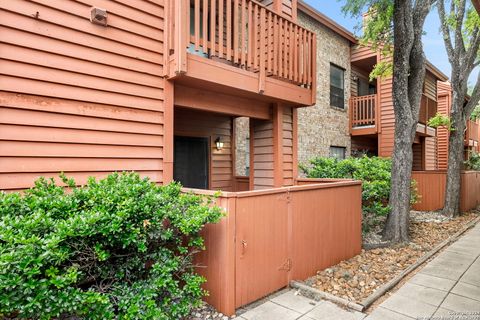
191, 162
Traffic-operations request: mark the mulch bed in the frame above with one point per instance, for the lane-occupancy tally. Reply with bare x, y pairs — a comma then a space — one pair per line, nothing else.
357, 278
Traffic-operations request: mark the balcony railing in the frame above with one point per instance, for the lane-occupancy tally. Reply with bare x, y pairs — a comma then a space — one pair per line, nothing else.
243, 34
363, 111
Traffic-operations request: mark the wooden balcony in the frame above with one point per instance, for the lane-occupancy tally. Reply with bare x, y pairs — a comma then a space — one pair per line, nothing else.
242, 46
364, 115
472, 135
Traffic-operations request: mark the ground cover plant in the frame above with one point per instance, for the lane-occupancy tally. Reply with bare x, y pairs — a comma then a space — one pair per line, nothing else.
116, 248
375, 174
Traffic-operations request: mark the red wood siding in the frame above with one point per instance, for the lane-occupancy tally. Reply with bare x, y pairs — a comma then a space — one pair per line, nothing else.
430, 153
417, 164
360, 52
78, 97
430, 86
194, 123
387, 119
262, 155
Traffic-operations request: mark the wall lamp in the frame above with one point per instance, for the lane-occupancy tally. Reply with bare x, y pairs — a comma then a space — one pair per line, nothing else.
218, 144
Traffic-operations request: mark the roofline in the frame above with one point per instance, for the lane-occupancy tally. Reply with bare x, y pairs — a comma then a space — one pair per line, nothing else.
326, 21
436, 72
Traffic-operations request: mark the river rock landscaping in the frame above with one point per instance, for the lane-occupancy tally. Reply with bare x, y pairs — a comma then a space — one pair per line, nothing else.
357, 278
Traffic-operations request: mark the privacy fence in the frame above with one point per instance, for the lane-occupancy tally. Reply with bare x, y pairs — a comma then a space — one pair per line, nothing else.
431, 188
270, 237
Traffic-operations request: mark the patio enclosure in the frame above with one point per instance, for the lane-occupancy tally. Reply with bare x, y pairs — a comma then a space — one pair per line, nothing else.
269, 237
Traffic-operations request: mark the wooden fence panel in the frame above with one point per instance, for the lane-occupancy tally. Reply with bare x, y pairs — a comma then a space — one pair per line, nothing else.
470, 190
431, 189
326, 228
270, 237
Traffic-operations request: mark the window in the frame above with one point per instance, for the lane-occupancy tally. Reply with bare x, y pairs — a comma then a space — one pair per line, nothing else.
338, 152
337, 86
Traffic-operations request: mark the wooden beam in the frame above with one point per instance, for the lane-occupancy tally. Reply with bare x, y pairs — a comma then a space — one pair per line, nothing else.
221, 103
181, 19
202, 69
252, 155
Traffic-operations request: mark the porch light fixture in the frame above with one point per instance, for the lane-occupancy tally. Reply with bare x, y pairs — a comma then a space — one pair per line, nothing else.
219, 144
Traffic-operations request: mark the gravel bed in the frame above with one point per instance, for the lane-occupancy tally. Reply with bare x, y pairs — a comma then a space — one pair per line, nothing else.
207, 312
355, 279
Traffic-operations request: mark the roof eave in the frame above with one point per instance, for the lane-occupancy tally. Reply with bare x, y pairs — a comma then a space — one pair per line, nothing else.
436, 72
326, 21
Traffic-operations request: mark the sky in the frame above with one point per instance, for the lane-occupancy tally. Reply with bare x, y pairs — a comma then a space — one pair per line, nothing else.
432, 40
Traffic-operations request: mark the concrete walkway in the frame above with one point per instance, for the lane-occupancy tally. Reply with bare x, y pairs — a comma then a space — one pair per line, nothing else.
449, 285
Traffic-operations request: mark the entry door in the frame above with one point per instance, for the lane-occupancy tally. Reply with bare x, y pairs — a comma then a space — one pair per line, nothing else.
190, 166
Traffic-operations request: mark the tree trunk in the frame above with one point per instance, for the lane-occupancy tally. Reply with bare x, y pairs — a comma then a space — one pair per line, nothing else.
462, 42
396, 227
455, 158
408, 78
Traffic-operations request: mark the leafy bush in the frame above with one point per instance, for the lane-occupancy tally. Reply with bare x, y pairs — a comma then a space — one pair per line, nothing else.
440, 120
117, 248
375, 174
473, 162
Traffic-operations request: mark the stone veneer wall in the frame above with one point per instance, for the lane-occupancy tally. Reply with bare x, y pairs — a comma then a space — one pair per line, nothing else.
242, 132
322, 126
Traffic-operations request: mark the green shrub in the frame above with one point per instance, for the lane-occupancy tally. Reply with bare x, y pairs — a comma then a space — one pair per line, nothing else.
473, 162
117, 248
375, 174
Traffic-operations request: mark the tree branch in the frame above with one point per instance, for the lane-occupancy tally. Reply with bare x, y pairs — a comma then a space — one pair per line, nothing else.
446, 31
472, 53
474, 98
459, 43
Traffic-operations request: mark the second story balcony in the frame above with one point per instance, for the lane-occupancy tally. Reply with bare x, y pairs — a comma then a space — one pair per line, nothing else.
364, 114
242, 47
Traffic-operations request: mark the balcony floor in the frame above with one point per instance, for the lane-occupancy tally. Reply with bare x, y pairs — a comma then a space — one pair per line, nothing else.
219, 76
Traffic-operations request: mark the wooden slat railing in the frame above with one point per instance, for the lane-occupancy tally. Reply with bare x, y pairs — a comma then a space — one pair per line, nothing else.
245, 34
363, 110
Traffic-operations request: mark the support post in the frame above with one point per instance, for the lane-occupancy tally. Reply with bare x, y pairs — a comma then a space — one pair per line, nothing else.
181, 38
168, 118
278, 145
